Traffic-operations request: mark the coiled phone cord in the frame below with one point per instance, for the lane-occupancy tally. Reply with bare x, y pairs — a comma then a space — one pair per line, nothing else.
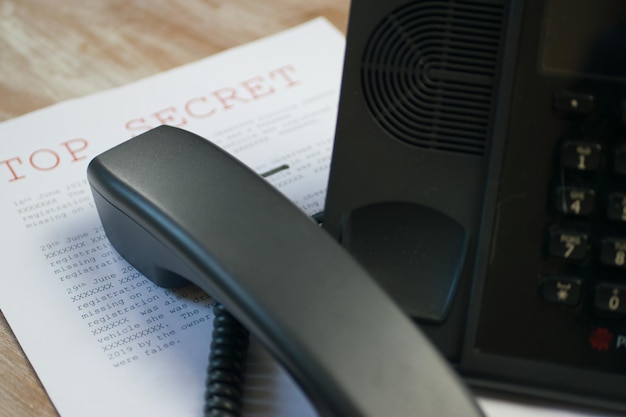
229, 347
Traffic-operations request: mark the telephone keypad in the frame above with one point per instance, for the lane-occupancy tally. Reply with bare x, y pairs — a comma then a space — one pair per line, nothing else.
554, 298
586, 232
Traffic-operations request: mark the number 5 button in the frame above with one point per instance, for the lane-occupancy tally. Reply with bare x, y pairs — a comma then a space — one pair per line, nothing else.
617, 207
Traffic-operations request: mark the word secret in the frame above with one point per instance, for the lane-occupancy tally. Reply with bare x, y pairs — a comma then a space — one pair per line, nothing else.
223, 99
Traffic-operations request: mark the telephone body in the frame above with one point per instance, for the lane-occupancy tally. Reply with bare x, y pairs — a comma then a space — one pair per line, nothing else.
505, 121
477, 176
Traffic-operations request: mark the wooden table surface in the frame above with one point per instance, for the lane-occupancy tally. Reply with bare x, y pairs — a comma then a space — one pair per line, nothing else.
51, 51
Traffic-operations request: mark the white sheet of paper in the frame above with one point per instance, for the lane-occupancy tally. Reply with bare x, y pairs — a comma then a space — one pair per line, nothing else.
102, 338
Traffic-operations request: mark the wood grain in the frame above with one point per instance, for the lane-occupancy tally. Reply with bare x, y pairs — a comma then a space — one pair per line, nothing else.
53, 51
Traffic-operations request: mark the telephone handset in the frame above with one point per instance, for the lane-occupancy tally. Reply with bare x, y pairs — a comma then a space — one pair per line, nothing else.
178, 208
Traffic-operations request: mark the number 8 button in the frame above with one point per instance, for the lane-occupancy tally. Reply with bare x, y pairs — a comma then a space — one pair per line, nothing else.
613, 252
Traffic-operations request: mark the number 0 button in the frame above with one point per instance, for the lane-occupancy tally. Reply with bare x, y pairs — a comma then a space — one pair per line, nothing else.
610, 298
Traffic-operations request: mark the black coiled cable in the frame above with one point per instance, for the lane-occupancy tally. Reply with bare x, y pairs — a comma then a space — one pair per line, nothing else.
229, 347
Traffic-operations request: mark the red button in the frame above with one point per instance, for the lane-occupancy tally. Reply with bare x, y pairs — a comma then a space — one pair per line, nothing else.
600, 338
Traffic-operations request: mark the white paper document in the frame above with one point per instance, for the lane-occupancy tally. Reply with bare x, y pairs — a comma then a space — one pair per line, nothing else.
103, 339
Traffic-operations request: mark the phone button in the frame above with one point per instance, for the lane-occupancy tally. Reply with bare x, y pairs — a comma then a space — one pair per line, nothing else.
574, 200
562, 290
581, 156
568, 244
613, 252
574, 103
619, 161
617, 207
610, 298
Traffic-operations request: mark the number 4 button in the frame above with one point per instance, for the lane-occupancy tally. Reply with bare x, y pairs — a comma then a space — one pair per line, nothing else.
574, 200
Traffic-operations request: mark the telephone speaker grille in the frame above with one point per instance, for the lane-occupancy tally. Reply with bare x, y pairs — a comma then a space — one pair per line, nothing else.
429, 70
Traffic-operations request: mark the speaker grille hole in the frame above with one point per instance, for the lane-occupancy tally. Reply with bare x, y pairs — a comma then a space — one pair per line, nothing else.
428, 73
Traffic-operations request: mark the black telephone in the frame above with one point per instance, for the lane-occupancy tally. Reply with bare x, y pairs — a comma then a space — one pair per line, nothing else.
478, 175
505, 120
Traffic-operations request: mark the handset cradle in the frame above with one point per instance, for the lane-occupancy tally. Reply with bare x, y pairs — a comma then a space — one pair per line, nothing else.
179, 208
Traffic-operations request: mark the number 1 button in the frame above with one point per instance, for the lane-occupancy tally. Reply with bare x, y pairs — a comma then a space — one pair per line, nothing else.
581, 156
